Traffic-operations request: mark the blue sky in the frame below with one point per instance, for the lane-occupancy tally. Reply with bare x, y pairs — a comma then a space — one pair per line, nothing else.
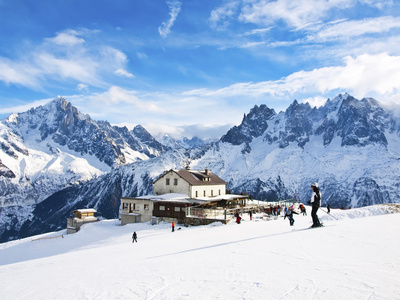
194, 67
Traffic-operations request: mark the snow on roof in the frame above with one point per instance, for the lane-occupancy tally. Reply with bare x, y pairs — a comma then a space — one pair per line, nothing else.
173, 197
86, 210
194, 177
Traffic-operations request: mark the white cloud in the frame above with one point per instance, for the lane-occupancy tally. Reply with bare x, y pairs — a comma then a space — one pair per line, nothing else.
258, 31
64, 57
82, 87
364, 75
67, 38
355, 28
175, 8
77, 68
297, 14
141, 55
117, 95
122, 72
189, 131
23, 107
221, 16
315, 101
21, 73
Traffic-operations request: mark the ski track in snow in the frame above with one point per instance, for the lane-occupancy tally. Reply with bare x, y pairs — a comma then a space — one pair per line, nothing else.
355, 257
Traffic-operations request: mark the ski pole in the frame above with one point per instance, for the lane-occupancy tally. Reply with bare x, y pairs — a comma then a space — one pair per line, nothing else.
328, 214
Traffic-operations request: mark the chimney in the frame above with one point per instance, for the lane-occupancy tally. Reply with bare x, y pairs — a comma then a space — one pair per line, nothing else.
207, 171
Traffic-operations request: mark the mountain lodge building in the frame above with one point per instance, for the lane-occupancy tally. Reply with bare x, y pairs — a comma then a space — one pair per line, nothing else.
195, 184
183, 196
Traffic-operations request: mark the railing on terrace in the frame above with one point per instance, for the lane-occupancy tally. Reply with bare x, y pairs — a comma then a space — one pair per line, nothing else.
223, 214
207, 213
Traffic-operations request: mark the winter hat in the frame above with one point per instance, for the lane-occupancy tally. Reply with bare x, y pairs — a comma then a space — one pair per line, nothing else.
315, 184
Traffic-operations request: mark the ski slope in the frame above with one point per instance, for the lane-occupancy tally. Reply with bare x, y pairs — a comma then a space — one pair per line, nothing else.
354, 257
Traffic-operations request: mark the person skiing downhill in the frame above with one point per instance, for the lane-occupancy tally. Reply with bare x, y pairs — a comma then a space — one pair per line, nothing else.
316, 203
289, 214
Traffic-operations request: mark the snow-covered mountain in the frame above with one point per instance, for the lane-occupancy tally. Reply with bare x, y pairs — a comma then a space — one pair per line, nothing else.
351, 147
184, 143
53, 146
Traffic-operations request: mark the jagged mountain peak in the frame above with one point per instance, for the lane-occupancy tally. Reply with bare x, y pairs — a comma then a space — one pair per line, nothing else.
253, 125
259, 111
355, 122
298, 108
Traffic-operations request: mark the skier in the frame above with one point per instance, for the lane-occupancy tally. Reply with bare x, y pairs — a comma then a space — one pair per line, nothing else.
134, 237
289, 214
316, 203
250, 214
328, 208
173, 226
303, 210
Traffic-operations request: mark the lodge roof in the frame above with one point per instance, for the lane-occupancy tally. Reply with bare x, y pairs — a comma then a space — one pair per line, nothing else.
195, 177
86, 210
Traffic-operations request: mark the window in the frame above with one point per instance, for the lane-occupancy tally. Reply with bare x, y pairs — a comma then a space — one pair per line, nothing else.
146, 207
212, 193
175, 181
125, 205
177, 208
135, 206
162, 207
204, 193
167, 181
219, 192
197, 194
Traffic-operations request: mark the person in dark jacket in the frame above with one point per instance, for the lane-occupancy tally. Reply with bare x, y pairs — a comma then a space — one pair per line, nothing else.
289, 214
315, 203
134, 237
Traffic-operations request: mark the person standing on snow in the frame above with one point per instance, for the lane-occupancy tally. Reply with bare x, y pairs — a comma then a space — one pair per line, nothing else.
134, 237
316, 203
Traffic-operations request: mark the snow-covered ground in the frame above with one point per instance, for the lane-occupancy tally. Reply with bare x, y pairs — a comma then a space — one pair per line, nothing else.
354, 257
